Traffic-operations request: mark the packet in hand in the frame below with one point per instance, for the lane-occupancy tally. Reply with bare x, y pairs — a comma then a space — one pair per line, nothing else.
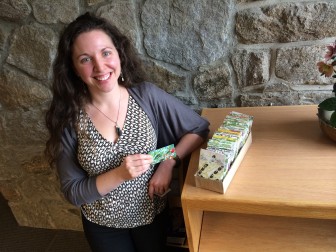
164, 153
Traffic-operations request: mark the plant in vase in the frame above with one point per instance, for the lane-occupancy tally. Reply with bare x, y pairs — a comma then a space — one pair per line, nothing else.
327, 108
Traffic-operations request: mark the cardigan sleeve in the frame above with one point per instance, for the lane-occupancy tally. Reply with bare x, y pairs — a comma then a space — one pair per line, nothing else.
171, 118
77, 187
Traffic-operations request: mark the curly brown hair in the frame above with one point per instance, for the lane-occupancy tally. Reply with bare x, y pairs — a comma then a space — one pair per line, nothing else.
69, 92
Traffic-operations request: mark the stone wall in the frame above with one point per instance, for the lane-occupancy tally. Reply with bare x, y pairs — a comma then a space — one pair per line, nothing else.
208, 53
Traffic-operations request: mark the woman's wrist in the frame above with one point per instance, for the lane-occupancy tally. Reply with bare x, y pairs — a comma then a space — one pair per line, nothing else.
168, 164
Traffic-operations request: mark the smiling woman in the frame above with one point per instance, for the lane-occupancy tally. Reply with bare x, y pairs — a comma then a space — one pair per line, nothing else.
103, 121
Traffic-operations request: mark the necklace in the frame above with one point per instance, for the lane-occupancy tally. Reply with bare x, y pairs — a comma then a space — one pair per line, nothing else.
118, 130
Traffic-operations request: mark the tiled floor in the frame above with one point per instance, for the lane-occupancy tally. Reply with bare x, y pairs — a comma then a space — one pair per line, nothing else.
14, 238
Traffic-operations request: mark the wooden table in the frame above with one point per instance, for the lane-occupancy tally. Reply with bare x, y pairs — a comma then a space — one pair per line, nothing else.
283, 196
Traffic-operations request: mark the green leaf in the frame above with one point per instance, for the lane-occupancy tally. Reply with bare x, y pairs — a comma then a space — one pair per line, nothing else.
333, 120
328, 104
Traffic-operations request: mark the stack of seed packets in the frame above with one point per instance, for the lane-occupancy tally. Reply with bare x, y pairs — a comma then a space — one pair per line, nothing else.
224, 146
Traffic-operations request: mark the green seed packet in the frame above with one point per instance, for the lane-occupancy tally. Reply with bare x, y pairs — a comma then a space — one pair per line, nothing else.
164, 153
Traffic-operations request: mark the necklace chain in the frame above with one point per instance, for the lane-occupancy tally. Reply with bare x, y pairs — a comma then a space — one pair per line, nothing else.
119, 132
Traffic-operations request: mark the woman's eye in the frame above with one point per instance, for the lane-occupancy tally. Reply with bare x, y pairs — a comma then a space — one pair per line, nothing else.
85, 60
106, 53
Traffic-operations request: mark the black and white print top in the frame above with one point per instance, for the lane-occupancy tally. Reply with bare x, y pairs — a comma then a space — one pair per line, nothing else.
129, 204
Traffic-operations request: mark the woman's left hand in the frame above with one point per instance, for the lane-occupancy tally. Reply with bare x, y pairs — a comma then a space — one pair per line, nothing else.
161, 179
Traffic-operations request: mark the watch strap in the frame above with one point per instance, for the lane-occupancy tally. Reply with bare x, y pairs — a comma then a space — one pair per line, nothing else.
177, 160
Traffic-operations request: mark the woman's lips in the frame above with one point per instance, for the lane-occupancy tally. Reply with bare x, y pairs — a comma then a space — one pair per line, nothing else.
103, 77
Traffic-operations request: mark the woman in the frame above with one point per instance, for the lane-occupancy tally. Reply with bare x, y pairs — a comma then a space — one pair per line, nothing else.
103, 120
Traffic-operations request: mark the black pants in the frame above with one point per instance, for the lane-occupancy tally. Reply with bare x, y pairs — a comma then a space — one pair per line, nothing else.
147, 238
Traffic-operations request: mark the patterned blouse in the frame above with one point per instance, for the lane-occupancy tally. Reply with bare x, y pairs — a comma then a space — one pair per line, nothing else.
129, 204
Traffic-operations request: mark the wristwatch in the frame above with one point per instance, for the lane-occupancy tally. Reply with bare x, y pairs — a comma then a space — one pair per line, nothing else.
177, 160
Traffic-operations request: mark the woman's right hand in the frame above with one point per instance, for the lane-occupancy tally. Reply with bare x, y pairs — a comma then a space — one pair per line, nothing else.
134, 165
131, 167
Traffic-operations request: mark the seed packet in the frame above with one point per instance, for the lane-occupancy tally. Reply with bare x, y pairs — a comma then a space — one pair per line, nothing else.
223, 144
223, 135
238, 133
164, 153
241, 115
236, 123
212, 165
229, 154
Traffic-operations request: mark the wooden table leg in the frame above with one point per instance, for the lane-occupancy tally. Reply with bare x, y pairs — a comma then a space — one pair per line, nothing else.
193, 221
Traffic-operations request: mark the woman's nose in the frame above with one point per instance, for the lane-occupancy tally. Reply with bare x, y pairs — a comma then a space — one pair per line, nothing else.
98, 65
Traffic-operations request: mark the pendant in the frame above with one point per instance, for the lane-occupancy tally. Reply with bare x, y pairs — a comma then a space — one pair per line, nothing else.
119, 132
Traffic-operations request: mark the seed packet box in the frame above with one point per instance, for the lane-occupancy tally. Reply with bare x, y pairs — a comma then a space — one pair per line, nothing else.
221, 186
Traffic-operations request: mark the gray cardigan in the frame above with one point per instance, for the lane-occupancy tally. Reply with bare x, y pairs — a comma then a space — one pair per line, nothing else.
170, 118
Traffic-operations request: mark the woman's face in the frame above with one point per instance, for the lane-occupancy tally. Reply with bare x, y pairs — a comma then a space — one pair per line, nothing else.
96, 61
